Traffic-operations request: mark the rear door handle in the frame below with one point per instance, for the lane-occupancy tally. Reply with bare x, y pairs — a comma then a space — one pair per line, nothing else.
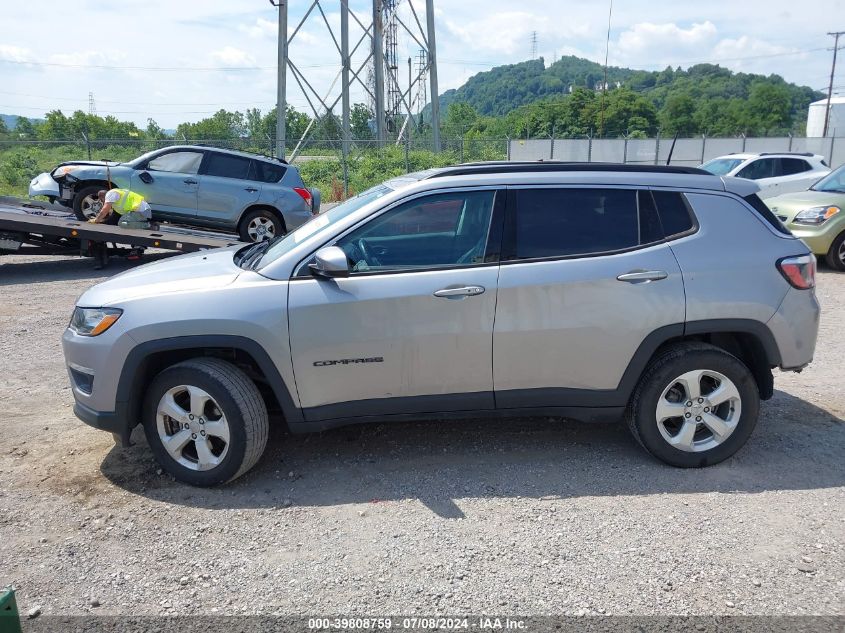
251, 189
643, 276
190, 181
463, 291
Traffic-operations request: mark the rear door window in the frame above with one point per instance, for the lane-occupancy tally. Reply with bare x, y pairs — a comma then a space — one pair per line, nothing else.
565, 222
227, 166
760, 168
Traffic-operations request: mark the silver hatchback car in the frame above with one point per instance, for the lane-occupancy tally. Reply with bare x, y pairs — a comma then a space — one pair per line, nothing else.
663, 296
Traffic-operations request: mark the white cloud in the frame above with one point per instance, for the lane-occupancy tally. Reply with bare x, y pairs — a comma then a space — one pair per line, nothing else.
15, 53
233, 57
508, 32
260, 28
87, 58
655, 44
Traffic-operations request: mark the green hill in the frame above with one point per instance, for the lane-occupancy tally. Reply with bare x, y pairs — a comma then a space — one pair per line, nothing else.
705, 98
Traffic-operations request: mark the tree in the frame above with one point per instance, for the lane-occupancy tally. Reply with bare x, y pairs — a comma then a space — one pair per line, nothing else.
359, 121
4, 131
222, 125
460, 118
678, 115
24, 128
767, 109
154, 131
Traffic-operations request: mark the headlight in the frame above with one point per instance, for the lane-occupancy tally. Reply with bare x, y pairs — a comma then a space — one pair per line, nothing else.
65, 170
93, 321
816, 215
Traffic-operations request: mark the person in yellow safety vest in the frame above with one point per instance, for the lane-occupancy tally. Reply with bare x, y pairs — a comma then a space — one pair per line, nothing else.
121, 204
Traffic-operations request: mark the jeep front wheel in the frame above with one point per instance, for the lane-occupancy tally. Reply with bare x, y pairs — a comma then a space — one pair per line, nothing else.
205, 421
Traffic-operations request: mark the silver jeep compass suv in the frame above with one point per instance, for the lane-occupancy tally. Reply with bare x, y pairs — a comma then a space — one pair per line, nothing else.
661, 295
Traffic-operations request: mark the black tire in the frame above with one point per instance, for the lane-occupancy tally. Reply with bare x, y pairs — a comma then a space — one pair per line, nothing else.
239, 401
672, 363
836, 255
80, 196
265, 216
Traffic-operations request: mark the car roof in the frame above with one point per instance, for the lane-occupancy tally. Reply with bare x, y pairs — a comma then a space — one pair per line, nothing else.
234, 152
504, 173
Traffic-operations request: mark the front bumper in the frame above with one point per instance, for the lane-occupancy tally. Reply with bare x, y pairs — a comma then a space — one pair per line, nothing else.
818, 238
43, 185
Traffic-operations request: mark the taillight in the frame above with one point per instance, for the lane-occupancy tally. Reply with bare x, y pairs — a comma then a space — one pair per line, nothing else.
305, 195
799, 271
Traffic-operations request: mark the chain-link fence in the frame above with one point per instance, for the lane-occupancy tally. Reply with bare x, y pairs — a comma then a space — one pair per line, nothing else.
660, 150
324, 164
322, 161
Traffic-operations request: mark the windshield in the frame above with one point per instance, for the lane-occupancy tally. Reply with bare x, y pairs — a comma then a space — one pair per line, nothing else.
833, 182
721, 166
143, 157
319, 222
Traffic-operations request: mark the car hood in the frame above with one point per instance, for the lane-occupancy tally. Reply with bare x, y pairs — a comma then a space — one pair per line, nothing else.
195, 272
789, 204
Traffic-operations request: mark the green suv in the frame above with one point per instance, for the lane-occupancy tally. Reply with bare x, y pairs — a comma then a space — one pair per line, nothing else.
817, 217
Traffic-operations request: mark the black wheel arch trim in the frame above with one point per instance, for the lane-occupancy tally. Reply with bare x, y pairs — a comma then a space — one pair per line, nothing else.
128, 398
262, 206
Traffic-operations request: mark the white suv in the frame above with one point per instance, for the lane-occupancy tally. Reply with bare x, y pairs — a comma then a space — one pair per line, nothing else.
775, 173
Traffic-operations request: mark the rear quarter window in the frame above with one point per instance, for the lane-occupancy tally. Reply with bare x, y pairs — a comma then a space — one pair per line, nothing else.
266, 172
761, 208
675, 213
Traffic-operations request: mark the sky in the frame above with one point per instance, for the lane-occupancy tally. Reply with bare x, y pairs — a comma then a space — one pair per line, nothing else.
176, 61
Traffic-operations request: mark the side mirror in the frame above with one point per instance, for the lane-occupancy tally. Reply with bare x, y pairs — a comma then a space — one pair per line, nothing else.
145, 176
331, 262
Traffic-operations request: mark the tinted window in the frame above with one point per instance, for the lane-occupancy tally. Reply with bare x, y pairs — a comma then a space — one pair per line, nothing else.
559, 222
227, 166
178, 162
761, 208
674, 212
266, 172
760, 168
791, 166
438, 230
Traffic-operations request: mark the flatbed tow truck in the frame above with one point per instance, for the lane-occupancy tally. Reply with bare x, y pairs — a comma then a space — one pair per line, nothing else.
53, 229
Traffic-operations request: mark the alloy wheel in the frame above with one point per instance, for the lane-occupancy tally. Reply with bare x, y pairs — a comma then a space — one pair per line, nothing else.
192, 427
260, 229
698, 410
90, 206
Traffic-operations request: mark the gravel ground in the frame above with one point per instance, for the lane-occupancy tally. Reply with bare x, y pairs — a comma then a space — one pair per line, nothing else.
519, 516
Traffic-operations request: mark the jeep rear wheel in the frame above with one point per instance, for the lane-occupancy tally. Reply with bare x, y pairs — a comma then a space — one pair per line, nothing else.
86, 205
696, 405
205, 421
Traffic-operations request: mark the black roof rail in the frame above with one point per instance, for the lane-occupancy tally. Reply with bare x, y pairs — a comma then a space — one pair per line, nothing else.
787, 154
503, 167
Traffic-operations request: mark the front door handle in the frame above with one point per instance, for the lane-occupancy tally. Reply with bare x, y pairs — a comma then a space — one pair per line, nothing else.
190, 181
463, 291
643, 276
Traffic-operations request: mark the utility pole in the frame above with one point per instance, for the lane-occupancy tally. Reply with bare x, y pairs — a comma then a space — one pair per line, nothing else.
835, 35
432, 74
282, 70
533, 44
378, 69
344, 54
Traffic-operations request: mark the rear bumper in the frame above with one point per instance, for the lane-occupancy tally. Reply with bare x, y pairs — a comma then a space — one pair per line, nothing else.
795, 327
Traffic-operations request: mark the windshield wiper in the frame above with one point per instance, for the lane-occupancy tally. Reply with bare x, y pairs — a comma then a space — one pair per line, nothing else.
255, 253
